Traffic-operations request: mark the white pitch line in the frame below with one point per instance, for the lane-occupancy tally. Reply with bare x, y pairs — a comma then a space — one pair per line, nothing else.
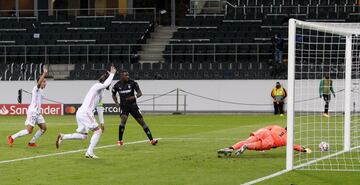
297, 167
266, 177
68, 152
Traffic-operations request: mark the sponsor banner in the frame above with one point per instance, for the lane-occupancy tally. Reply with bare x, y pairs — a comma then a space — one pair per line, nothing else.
70, 109
21, 109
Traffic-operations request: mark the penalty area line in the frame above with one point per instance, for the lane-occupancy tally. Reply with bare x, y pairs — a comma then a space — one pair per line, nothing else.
68, 152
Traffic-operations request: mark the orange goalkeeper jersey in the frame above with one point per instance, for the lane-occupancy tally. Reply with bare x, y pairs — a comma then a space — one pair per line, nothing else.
277, 134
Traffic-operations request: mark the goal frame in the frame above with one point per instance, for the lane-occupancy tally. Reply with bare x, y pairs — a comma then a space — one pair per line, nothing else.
329, 28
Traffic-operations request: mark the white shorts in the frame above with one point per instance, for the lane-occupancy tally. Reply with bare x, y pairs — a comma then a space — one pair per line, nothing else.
33, 118
86, 121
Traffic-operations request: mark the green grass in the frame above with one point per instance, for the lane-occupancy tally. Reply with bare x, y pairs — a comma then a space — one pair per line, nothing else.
185, 155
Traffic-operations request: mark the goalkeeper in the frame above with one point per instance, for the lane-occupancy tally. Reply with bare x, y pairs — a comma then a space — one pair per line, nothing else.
325, 90
266, 138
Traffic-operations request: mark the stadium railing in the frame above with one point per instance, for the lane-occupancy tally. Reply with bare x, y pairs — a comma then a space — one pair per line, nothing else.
127, 53
58, 14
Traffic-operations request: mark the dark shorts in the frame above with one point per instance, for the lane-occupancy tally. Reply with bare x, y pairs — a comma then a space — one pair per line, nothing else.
132, 109
327, 97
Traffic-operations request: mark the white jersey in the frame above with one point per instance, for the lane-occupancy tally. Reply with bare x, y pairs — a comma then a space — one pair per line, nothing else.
91, 98
99, 99
36, 100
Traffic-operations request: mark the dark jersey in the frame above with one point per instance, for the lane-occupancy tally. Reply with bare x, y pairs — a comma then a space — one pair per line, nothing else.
125, 89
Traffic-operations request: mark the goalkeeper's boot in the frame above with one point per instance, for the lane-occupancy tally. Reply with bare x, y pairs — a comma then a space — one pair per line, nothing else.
10, 141
326, 115
32, 145
93, 156
120, 143
225, 152
154, 142
59, 140
241, 150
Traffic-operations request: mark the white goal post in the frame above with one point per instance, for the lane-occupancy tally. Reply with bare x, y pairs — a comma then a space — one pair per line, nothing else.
318, 52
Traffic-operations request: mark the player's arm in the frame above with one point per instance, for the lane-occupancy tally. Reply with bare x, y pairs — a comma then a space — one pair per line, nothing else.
42, 77
332, 88
100, 109
109, 79
138, 91
114, 97
272, 94
320, 88
302, 149
285, 93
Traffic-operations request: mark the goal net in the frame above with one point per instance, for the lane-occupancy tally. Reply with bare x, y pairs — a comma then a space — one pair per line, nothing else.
324, 59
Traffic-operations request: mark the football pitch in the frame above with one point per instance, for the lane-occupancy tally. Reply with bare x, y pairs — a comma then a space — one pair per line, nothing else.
185, 154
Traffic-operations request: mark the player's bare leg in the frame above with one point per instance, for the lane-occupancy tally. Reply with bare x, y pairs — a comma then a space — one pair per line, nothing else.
123, 121
26, 131
147, 130
93, 142
40, 132
73, 136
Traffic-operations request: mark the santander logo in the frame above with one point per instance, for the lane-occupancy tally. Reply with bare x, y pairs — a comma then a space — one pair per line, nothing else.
21, 109
4, 110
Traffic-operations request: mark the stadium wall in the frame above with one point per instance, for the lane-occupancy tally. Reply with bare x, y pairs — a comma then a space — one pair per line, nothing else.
238, 95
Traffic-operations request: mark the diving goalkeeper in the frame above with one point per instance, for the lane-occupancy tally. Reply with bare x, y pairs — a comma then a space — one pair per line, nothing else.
266, 138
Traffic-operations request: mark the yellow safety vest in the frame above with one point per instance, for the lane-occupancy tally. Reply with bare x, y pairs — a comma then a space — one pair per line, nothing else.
278, 92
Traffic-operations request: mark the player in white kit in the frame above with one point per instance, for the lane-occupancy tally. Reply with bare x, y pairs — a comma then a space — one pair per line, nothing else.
85, 115
100, 109
33, 114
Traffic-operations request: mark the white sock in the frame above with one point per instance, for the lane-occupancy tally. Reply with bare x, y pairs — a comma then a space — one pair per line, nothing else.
74, 136
37, 135
93, 142
20, 133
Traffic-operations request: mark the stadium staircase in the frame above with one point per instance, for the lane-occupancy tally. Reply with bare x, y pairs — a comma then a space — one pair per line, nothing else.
61, 71
152, 52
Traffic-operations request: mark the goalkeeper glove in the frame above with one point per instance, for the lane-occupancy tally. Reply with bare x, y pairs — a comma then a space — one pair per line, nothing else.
320, 96
308, 150
334, 95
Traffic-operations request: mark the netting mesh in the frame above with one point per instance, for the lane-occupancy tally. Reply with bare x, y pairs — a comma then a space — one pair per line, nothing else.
320, 54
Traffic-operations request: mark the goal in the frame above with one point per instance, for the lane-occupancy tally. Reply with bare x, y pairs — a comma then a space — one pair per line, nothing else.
316, 51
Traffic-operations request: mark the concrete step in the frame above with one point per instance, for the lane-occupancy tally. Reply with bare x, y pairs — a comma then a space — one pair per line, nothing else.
60, 71
154, 40
159, 43
165, 31
61, 67
164, 28
147, 53
148, 46
155, 49
151, 57
161, 36
152, 52
150, 61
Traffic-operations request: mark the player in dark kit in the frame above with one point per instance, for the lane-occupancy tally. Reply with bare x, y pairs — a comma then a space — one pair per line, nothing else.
126, 89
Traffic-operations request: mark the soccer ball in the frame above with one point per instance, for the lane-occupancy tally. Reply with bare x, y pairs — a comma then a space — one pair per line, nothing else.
324, 146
